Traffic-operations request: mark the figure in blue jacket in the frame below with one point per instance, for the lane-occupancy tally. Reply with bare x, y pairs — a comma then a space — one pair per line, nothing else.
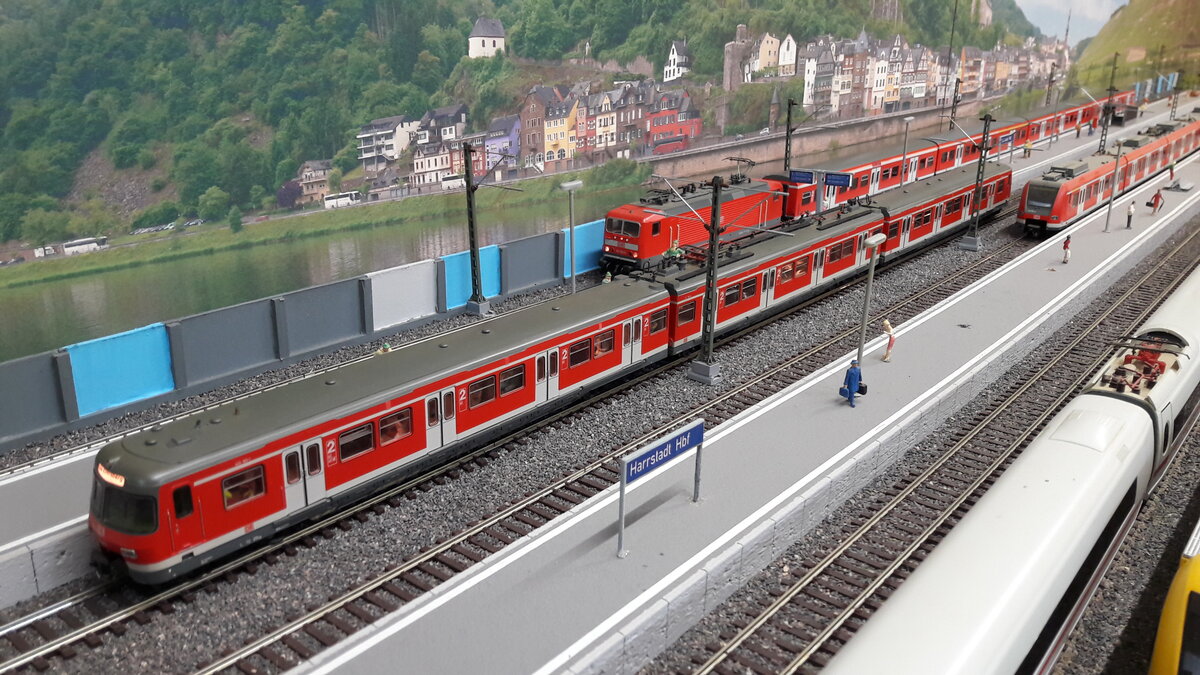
853, 377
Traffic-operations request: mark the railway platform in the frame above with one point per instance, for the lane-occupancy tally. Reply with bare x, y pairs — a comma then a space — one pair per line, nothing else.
562, 601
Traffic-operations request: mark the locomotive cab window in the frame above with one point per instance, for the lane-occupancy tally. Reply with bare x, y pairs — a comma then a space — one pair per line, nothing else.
182, 498
658, 321
124, 512
356, 441
512, 380
244, 486
622, 227
654, 229
395, 426
806, 198
481, 391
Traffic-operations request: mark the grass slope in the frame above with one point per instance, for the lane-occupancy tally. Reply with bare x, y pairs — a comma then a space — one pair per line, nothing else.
1137, 32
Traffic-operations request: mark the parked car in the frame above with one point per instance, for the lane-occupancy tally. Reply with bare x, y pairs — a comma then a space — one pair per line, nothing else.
765, 131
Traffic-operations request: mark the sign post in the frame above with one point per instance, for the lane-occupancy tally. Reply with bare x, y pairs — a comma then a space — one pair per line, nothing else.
654, 456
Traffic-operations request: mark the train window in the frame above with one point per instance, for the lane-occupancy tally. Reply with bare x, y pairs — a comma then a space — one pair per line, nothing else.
806, 198
541, 368
447, 405
395, 426
802, 267
623, 227
733, 294
554, 365
249, 484
481, 391
893, 229
654, 229
928, 162
579, 353
839, 251
356, 441
687, 312
312, 455
658, 321
863, 180
953, 205
182, 497
291, 467
946, 156
637, 330
750, 288
604, 342
512, 379
786, 273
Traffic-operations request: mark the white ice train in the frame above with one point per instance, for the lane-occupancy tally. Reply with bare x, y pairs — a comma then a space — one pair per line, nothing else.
1003, 589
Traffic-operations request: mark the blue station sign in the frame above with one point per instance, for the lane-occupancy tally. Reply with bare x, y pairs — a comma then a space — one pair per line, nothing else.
801, 176
656, 455
838, 179
1005, 138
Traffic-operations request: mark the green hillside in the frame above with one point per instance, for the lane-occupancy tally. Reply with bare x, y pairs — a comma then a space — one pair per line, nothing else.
1139, 32
106, 107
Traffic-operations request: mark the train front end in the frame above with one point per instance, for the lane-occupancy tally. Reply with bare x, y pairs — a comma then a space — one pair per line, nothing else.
633, 238
125, 517
1038, 213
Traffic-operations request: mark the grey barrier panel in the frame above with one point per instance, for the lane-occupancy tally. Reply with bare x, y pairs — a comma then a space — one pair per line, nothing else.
530, 262
441, 297
223, 342
30, 399
323, 315
404, 293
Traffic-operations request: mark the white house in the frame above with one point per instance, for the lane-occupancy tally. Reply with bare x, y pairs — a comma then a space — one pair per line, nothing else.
679, 61
787, 56
384, 140
487, 39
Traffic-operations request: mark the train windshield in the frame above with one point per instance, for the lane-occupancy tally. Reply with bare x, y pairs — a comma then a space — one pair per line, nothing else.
627, 228
1041, 197
122, 511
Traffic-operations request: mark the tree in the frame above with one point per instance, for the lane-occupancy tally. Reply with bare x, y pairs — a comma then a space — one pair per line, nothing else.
13, 208
287, 194
334, 178
213, 203
43, 227
235, 219
158, 214
92, 218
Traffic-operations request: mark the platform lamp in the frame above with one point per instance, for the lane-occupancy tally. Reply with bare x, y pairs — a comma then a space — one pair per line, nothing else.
570, 187
873, 243
904, 156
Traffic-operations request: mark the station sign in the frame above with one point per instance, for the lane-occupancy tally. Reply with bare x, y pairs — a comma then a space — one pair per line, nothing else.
838, 179
801, 176
656, 455
1006, 138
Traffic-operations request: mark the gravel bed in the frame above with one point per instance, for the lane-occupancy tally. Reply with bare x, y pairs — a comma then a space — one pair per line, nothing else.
1104, 630
131, 420
210, 624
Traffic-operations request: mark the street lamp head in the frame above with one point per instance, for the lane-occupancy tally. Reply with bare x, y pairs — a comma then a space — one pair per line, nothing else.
571, 185
909, 119
876, 239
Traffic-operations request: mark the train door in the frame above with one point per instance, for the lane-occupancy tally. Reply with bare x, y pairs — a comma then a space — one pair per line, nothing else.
904, 231
911, 174
439, 410
1166, 415
636, 340
542, 391
958, 154
874, 181
551, 373
937, 217
768, 285
819, 265
186, 527
314, 471
293, 478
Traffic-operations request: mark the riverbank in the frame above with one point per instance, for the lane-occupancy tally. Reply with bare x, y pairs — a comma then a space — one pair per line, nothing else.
129, 252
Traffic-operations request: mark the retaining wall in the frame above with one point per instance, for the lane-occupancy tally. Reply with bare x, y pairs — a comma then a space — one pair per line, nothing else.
86, 383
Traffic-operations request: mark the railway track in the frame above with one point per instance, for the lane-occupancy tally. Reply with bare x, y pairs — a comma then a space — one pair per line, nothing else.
92, 618
803, 623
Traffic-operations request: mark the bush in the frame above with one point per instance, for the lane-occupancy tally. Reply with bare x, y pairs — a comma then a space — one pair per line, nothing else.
159, 214
235, 219
158, 184
146, 158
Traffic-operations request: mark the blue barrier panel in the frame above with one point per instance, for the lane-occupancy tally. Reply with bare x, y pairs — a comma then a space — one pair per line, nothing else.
122, 368
589, 245
458, 275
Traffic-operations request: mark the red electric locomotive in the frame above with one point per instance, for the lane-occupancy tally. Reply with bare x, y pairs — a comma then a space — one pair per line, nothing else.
637, 236
176, 497
1072, 189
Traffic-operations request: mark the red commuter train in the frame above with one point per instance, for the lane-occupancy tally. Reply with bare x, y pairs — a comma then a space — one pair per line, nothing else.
181, 495
637, 235
1067, 191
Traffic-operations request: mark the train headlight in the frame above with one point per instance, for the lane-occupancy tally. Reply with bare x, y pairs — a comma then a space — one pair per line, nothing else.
129, 554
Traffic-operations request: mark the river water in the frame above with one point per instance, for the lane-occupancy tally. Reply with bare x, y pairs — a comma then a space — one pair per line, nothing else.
45, 316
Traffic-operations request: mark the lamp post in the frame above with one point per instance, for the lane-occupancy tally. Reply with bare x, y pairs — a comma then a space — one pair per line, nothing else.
571, 186
971, 242
1115, 185
478, 304
873, 242
904, 157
